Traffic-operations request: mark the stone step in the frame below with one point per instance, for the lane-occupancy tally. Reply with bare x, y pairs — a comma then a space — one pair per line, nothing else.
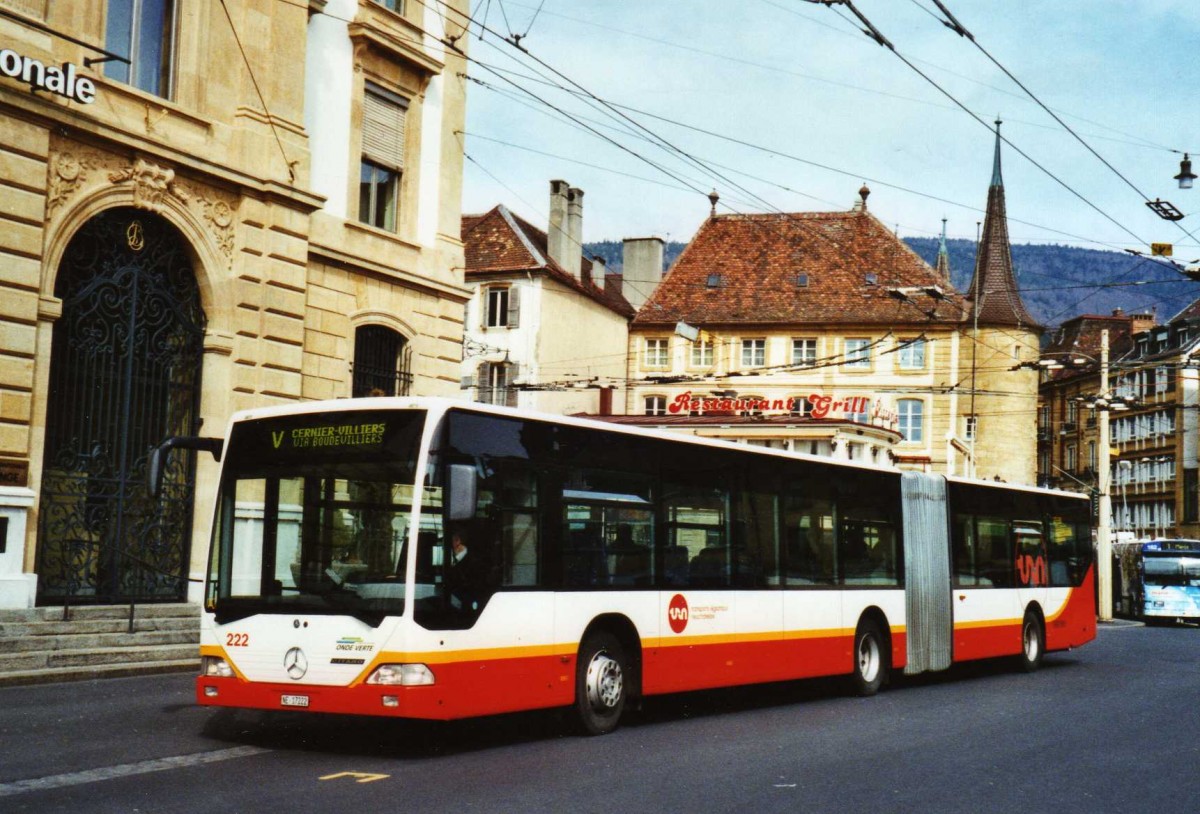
102, 639
54, 674
92, 612
94, 626
42, 659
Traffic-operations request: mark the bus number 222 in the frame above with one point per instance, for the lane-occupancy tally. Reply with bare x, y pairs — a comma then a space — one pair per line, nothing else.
237, 639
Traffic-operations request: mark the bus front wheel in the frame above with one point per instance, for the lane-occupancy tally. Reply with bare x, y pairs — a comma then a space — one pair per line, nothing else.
600, 685
1033, 642
870, 659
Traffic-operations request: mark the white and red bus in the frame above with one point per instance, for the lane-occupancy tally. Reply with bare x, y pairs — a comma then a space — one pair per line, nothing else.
433, 559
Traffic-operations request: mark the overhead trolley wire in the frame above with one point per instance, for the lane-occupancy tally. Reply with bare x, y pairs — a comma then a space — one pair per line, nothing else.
874, 34
954, 25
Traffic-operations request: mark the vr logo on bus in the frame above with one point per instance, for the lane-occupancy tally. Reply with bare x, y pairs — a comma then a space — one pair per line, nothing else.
677, 613
1032, 570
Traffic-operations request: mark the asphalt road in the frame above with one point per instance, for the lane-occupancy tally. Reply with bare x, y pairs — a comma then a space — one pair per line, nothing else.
1113, 727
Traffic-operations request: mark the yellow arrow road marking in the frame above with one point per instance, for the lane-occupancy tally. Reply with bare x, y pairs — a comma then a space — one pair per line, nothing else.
362, 777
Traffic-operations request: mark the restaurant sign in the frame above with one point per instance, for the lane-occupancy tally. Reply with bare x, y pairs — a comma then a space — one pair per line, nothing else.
819, 406
62, 80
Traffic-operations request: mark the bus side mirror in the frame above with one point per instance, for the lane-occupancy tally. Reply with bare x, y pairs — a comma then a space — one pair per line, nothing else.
157, 464
460, 488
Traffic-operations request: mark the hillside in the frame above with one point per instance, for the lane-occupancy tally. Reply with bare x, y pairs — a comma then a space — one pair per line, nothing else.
1057, 282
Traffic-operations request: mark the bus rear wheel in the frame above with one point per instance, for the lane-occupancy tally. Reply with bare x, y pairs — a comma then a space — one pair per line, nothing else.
870, 659
600, 684
1033, 642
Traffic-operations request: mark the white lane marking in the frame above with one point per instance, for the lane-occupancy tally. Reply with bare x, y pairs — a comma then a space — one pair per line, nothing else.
56, 781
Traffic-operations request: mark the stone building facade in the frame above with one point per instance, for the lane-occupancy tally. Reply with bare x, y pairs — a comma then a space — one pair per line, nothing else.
259, 203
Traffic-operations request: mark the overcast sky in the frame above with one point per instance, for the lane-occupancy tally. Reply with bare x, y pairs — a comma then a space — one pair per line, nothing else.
801, 83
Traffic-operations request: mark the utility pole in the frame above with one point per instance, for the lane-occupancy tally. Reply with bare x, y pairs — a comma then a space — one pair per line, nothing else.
1104, 522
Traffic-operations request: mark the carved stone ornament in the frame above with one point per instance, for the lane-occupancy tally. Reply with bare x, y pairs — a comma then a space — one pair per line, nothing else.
151, 184
73, 170
219, 215
69, 171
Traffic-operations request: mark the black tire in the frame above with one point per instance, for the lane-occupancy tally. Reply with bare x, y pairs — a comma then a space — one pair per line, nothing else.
1033, 642
870, 659
601, 688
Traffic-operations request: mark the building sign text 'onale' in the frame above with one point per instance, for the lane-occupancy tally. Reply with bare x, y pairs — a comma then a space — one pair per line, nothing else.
62, 80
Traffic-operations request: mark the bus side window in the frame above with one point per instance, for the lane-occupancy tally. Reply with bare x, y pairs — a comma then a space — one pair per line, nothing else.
519, 549
963, 547
1030, 549
995, 552
810, 544
1069, 552
697, 520
756, 545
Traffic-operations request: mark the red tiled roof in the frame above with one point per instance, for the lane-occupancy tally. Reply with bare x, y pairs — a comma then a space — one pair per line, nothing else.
1190, 312
757, 259
499, 242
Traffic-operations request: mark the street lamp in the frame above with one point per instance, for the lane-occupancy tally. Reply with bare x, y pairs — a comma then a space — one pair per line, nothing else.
1186, 176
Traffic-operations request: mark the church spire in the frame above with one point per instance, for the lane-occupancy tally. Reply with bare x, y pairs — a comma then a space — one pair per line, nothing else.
997, 181
943, 257
993, 292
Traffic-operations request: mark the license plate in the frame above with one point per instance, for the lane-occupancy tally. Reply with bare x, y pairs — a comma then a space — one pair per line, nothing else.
294, 700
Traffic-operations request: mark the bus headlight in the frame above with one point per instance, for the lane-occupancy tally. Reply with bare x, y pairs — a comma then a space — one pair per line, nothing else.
215, 666
405, 675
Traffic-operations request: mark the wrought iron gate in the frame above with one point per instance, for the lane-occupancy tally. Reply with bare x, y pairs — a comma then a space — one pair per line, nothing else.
124, 375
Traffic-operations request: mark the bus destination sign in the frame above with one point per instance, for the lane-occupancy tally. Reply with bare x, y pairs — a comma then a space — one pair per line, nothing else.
329, 435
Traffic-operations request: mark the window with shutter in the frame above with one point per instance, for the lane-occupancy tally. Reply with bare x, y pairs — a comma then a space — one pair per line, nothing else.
383, 127
510, 394
384, 115
496, 312
514, 307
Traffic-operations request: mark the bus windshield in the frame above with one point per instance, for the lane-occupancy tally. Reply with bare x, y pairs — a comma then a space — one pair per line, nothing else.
1172, 569
313, 514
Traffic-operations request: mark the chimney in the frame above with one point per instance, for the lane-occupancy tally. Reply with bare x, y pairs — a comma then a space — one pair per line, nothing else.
558, 242
599, 269
861, 204
606, 401
1142, 322
574, 264
642, 258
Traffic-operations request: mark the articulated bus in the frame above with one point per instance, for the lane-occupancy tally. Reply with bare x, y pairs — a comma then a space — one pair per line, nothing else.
1159, 580
434, 559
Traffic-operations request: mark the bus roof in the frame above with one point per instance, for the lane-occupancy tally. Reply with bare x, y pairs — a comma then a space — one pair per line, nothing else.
438, 406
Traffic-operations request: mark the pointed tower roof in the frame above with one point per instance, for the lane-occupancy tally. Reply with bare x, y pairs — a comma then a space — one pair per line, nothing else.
943, 256
993, 292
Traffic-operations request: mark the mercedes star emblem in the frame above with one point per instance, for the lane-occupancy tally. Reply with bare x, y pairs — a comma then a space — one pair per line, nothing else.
295, 663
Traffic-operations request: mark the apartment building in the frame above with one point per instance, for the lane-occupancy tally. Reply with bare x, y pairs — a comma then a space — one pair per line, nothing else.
546, 326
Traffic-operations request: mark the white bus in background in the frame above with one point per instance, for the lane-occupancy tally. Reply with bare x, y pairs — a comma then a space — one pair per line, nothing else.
426, 558
1158, 580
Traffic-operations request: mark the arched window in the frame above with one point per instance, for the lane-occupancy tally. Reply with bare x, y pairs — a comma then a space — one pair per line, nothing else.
382, 359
